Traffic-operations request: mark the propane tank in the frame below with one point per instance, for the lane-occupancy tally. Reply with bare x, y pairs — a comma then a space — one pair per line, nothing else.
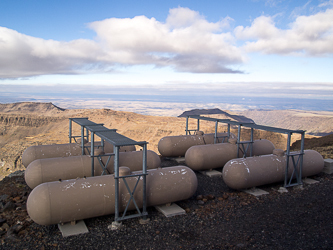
256, 171
174, 146
63, 150
72, 200
210, 156
65, 168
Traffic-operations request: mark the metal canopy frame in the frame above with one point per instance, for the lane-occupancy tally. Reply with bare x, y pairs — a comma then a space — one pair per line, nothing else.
295, 157
198, 117
83, 122
117, 140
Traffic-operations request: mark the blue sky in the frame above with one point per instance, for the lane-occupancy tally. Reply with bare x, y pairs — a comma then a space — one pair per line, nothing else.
256, 44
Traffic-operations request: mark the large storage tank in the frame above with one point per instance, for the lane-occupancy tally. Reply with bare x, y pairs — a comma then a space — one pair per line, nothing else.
174, 146
267, 169
63, 150
210, 156
65, 168
72, 200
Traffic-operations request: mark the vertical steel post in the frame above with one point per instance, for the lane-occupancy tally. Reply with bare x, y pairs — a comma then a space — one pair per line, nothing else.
215, 136
198, 125
301, 159
228, 130
144, 167
82, 139
86, 135
287, 163
102, 144
116, 176
92, 154
70, 130
238, 139
186, 129
251, 146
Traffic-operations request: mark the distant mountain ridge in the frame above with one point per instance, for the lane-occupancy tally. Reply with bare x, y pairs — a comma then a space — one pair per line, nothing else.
30, 107
219, 113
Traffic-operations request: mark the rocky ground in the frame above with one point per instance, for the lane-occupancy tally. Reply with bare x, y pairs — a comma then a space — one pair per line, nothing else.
216, 218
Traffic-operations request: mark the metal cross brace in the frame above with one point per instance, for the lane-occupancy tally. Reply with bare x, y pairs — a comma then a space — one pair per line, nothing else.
243, 147
296, 170
131, 197
104, 167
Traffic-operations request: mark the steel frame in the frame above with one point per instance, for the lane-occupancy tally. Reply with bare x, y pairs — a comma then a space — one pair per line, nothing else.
295, 157
198, 117
117, 140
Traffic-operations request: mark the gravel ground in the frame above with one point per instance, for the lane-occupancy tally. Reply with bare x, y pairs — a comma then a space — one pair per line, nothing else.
216, 218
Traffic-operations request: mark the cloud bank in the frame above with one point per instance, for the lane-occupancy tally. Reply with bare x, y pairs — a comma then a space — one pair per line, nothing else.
307, 35
186, 42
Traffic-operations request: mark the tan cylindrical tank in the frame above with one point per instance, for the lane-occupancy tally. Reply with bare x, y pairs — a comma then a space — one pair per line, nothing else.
63, 150
266, 169
174, 146
210, 156
261, 147
72, 200
65, 168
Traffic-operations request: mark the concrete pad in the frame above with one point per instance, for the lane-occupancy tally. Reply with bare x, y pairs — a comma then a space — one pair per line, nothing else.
255, 191
328, 166
68, 229
327, 170
309, 181
328, 162
180, 159
171, 210
211, 173
283, 190
115, 225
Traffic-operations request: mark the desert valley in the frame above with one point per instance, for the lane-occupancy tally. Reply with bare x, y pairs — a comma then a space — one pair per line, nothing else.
216, 216
32, 123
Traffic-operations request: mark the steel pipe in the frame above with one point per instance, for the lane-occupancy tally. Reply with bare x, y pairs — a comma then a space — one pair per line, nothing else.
267, 169
72, 200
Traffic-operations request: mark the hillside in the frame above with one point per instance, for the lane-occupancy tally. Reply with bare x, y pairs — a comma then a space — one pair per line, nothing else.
30, 107
324, 145
26, 124
317, 123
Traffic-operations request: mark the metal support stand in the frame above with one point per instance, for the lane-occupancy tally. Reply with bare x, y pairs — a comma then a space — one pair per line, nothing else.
297, 163
198, 117
141, 176
216, 138
188, 131
295, 157
117, 140
84, 123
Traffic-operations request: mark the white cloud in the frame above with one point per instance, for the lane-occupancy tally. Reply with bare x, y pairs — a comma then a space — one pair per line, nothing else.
300, 10
22, 55
308, 35
186, 42
326, 3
